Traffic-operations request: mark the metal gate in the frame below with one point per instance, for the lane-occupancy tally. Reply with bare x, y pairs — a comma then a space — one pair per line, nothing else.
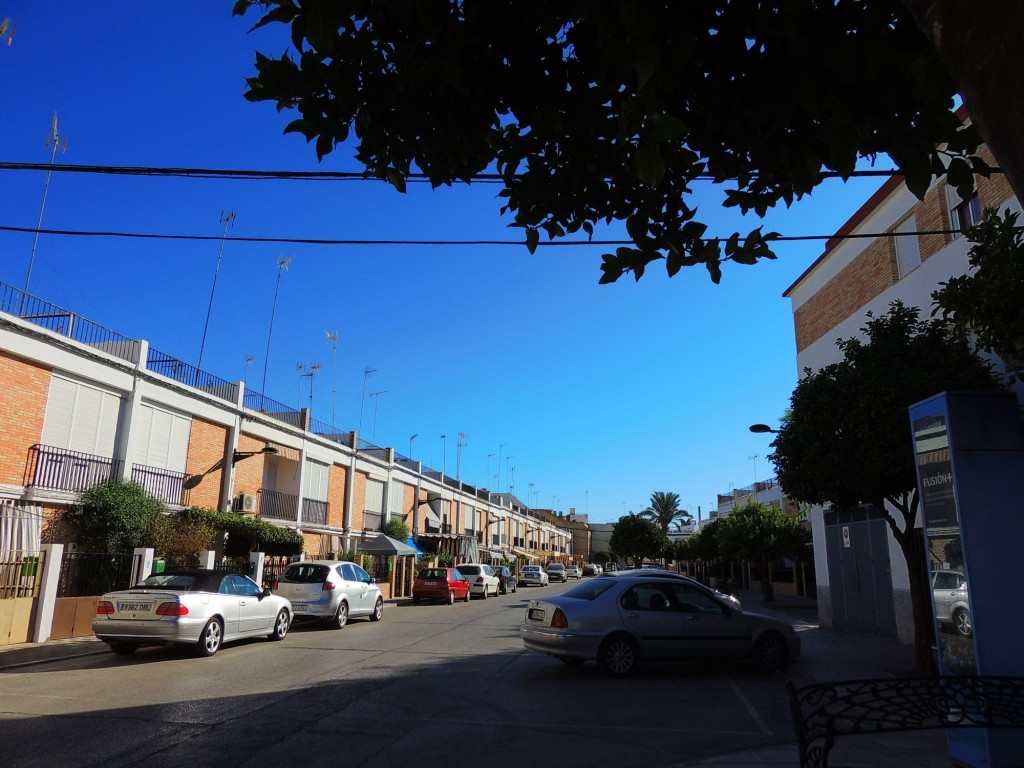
859, 572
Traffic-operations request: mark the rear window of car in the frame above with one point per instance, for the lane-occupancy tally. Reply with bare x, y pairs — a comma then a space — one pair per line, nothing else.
433, 573
469, 570
305, 574
588, 590
531, 568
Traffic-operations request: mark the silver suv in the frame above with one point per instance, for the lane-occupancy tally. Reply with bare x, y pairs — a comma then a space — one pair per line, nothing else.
556, 572
949, 590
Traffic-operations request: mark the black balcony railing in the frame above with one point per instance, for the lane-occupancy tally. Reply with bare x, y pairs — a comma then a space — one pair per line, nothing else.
189, 375
60, 320
314, 511
162, 484
276, 505
64, 470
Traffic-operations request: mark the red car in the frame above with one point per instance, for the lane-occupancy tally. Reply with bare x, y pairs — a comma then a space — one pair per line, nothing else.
440, 584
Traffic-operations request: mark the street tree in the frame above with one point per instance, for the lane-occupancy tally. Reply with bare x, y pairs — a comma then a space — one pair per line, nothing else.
988, 301
636, 538
665, 510
114, 516
846, 439
592, 112
761, 534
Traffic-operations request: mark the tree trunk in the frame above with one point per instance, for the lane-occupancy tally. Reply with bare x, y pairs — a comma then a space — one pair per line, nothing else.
980, 45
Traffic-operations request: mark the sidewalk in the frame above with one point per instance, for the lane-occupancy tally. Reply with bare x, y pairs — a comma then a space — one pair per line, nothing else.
827, 655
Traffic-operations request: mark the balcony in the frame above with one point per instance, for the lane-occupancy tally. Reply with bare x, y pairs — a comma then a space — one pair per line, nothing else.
64, 470
314, 512
275, 505
162, 484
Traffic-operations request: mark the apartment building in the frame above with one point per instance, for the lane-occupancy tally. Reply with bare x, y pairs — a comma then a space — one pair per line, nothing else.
81, 403
919, 244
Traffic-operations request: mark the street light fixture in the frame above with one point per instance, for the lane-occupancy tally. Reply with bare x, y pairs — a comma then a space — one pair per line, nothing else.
237, 456
375, 396
362, 399
411, 438
761, 428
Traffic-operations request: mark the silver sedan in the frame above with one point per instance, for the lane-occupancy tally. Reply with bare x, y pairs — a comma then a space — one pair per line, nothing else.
195, 606
618, 621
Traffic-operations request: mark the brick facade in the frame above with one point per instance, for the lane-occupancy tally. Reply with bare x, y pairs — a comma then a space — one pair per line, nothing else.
25, 389
204, 470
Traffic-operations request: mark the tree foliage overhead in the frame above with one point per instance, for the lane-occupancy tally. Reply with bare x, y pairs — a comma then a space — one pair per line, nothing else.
636, 538
597, 111
989, 300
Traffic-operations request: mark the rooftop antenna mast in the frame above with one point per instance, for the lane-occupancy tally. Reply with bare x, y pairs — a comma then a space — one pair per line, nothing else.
282, 266
227, 219
56, 141
332, 337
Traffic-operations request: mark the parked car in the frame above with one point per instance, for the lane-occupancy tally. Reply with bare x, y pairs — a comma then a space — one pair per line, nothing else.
506, 578
619, 622
628, 573
333, 591
447, 584
482, 579
556, 572
533, 574
572, 571
952, 608
193, 606
589, 569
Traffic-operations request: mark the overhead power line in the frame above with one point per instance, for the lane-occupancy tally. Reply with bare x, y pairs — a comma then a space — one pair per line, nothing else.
247, 174
446, 243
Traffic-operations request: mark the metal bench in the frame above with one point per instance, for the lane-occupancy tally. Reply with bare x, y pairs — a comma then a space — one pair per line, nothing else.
823, 711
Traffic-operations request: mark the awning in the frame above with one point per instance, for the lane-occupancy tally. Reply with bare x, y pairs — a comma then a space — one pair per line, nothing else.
524, 553
432, 517
284, 452
412, 543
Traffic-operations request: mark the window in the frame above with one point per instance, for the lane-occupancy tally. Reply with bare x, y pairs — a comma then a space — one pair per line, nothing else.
162, 439
908, 250
963, 214
81, 418
316, 480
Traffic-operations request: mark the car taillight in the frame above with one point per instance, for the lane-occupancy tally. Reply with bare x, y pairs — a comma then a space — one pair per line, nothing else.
558, 620
274, 585
481, 580
171, 609
104, 608
327, 587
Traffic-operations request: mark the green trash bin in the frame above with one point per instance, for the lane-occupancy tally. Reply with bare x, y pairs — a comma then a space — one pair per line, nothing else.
29, 566
159, 564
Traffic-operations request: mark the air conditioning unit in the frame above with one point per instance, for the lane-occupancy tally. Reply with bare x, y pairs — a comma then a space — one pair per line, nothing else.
247, 504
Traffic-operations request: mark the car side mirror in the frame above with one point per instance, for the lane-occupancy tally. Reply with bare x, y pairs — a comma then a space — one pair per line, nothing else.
371, 580
265, 593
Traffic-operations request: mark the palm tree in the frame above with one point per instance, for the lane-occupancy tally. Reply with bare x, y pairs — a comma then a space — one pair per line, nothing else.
665, 510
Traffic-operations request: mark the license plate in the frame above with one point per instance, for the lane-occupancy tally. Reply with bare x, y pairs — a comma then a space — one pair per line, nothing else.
134, 607
536, 614
300, 607
429, 583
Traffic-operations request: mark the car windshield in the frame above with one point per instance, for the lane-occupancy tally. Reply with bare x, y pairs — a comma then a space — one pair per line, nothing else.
588, 590
305, 574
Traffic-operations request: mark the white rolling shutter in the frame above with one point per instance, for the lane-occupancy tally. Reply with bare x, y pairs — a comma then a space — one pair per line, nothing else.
374, 496
396, 500
80, 417
317, 476
161, 440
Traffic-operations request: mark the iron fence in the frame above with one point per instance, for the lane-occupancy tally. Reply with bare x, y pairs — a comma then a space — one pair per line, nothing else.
61, 469
83, 574
21, 573
165, 365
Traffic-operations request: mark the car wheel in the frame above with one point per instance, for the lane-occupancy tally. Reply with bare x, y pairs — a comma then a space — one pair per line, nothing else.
124, 649
280, 626
341, 617
378, 610
483, 595
617, 656
451, 597
514, 587
770, 652
211, 638
415, 599
962, 623
466, 598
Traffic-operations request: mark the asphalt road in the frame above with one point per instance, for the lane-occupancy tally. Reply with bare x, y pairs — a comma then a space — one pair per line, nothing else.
430, 685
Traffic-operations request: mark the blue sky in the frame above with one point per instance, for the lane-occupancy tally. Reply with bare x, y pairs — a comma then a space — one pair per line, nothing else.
597, 395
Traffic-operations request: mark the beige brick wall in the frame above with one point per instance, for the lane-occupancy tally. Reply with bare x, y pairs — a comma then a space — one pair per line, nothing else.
24, 387
336, 495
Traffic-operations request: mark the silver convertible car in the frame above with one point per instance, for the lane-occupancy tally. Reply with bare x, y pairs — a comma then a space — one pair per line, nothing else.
191, 606
619, 621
